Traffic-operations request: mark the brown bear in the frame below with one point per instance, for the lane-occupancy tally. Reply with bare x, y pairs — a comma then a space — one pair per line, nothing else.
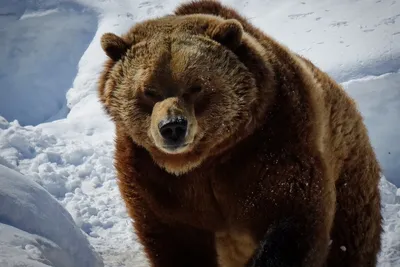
233, 151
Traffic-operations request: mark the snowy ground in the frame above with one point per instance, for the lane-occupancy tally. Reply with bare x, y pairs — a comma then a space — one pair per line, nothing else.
69, 149
35, 228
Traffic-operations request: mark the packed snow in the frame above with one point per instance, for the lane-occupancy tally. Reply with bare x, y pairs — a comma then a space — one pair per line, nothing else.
35, 227
56, 140
34, 39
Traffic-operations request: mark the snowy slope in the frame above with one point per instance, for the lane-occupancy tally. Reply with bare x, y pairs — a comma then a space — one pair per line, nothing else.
379, 101
35, 228
358, 42
34, 38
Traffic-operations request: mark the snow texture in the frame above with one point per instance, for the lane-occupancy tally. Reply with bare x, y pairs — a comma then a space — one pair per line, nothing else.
34, 39
54, 131
35, 227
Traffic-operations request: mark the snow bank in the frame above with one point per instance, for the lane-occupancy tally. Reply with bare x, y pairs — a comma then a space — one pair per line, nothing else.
78, 170
36, 229
378, 98
390, 253
41, 43
349, 39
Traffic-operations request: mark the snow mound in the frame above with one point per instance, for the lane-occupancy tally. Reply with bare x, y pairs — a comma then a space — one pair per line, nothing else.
79, 172
378, 98
349, 39
41, 43
36, 230
390, 253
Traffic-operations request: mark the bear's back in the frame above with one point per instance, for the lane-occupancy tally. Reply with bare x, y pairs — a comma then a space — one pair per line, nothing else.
345, 134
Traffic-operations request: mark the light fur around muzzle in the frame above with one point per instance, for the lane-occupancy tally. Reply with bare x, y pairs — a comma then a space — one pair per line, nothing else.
169, 108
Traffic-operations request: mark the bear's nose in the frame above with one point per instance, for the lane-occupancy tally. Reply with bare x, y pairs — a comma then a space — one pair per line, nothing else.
173, 130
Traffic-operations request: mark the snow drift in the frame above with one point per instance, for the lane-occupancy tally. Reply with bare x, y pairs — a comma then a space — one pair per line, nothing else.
34, 226
41, 43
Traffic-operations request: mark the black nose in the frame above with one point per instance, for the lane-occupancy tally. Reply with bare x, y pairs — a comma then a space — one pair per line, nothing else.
173, 130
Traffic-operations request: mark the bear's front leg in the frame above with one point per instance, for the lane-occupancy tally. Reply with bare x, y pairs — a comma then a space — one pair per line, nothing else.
174, 244
299, 233
292, 244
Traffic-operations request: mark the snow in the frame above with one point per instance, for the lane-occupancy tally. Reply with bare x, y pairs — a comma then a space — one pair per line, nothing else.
379, 101
349, 39
55, 133
34, 226
33, 41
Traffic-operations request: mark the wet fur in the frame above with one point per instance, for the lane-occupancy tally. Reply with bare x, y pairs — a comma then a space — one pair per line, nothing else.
300, 173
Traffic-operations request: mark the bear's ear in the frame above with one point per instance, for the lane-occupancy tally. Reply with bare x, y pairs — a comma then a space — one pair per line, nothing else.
228, 33
113, 45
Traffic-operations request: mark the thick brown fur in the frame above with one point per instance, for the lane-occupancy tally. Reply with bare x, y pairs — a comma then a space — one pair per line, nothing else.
279, 170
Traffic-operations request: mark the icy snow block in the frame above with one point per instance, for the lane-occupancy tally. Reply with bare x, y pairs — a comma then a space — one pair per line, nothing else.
26, 206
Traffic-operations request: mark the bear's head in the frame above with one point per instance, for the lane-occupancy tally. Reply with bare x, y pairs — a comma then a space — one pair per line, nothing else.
176, 87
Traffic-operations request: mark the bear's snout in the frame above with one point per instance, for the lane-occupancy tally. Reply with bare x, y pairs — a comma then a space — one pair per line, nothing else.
173, 131
173, 126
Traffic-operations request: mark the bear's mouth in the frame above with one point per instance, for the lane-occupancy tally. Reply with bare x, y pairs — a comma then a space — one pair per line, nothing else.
175, 148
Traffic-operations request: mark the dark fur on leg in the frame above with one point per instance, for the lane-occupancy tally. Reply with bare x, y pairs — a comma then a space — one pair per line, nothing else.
285, 245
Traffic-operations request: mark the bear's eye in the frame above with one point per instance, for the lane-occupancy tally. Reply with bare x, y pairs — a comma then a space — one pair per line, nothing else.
192, 91
151, 94
195, 89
